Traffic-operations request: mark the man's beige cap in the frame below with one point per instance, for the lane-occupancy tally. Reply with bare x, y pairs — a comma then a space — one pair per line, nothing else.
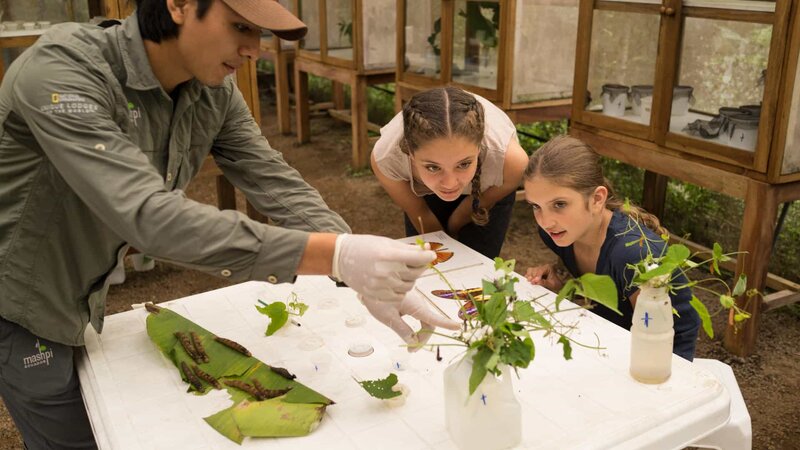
270, 15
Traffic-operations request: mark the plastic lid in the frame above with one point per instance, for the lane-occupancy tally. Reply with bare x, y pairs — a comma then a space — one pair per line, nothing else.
615, 88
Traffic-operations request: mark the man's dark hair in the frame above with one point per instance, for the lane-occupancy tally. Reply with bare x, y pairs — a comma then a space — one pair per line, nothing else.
155, 22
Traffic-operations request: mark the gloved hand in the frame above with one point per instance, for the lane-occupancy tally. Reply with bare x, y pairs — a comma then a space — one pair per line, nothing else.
378, 267
413, 304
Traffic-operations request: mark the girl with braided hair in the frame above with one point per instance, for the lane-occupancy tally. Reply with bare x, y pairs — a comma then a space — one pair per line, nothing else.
592, 231
452, 162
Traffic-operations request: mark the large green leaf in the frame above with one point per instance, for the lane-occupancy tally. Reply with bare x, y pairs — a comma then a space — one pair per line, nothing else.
227, 364
705, 317
275, 418
600, 288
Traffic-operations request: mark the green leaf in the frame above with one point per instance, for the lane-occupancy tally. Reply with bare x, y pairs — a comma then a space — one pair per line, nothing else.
478, 368
506, 266
519, 353
567, 347
274, 418
495, 311
600, 288
300, 307
741, 286
381, 389
276, 311
567, 292
523, 311
705, 317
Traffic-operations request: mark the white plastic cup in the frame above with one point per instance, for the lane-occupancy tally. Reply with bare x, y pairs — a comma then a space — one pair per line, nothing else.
29, 25
615, 99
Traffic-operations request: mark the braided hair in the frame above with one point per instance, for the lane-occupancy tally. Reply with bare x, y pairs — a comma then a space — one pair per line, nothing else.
442, 113
572, 163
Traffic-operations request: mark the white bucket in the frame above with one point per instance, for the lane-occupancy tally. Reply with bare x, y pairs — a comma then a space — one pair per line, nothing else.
638, 93
743, 131
615, 99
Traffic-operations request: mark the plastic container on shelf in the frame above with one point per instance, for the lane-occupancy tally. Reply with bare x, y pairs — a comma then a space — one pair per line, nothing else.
638, 93
743, 131
615, 99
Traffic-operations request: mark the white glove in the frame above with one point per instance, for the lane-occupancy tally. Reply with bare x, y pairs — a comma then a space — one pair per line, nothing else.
413, 304
378, 267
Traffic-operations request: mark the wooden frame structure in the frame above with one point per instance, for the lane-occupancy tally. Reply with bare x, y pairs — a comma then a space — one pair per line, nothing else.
355, 72
548, 105
763, 177
282, 56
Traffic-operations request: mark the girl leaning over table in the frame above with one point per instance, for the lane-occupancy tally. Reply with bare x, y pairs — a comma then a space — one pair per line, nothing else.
452, 162
583, 222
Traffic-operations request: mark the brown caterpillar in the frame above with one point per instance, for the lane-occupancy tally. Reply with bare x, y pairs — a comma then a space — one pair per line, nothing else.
186, 343
242, 386
234, 345
265, 394
150, 307
207, 377
283, 372
191, 377
198, 346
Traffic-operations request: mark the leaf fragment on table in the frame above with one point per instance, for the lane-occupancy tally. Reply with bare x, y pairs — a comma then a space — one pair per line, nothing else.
381, 389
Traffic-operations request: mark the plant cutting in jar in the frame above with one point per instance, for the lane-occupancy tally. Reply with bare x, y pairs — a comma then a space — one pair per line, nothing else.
497, 335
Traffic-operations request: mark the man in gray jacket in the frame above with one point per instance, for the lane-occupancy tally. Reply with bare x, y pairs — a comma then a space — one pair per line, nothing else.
101, 128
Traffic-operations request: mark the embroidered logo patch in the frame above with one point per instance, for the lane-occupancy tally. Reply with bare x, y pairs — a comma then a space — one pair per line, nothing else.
41, 357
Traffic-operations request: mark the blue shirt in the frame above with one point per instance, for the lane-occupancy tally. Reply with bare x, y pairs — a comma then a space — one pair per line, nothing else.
614, 257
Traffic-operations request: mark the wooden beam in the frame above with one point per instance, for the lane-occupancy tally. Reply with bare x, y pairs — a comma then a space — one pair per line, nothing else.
774, 282
780, 298
654, 196
345, 115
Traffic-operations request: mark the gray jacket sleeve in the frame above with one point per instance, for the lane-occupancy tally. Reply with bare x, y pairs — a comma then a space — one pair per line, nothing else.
275, 189
75, 112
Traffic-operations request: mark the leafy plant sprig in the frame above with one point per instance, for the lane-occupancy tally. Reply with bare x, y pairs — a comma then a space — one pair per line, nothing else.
279, 312
499, 332
664, 269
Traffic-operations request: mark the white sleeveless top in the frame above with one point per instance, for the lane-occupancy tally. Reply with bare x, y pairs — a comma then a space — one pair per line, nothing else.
498, 132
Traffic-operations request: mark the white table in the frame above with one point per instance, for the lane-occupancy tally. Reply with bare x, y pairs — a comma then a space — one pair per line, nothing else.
137, 400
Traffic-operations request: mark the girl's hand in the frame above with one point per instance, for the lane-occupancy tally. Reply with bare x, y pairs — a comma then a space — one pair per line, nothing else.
546, 276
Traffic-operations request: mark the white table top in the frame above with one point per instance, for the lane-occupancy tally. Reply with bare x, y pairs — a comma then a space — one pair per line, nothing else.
136, 398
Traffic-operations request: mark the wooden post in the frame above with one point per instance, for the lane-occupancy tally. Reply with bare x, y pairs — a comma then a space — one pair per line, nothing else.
248, 85
338, 95
282, 74
758, 225
301, 104
358, 112
655, 193
226, 194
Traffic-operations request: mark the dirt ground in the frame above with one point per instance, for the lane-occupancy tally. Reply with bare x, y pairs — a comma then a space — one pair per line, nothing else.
769, 379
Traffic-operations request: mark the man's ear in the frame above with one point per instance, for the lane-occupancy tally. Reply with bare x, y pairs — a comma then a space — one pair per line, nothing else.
177, 10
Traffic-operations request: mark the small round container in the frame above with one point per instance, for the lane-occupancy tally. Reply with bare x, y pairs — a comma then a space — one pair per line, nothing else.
615, 99
29, 26
43, 24
11, 26
681, 95
638, 93
647, 108
743, 131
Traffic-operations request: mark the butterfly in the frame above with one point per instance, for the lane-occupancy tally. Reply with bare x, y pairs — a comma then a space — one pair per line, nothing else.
442, 253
